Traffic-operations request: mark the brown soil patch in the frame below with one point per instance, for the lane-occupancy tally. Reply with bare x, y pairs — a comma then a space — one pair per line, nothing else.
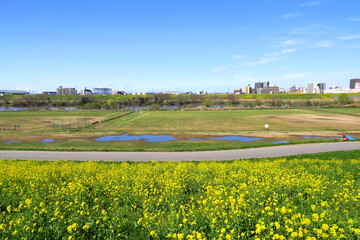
315, 121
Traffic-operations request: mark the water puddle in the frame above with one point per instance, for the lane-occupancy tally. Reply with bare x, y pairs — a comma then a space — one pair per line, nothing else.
11, 141
47, 140
237, 138
126, 137
165, 138
316, 137
280, 142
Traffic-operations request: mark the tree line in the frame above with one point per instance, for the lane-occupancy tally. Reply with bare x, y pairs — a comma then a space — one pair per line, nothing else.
157, 101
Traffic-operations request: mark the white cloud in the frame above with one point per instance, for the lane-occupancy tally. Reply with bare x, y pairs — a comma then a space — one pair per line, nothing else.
292, 42
289, 50
310, 4
354, 19
218, 69
323, 44
285, 68
238, 57
264, 60
294, 75
351, 37
290, 15
271, 57
312, 30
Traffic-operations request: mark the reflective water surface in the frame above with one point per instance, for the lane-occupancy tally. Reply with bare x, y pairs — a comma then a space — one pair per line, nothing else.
47, 140
165, 138
237, 138
11, 141
280, 142
126, 137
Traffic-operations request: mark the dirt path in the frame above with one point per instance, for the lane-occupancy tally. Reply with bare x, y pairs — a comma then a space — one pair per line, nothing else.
265, 152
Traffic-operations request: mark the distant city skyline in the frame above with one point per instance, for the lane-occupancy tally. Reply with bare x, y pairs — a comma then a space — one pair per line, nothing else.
177, 45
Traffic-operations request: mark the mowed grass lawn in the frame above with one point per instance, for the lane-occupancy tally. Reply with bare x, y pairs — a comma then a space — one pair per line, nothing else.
44, 120
299, 197
233, 122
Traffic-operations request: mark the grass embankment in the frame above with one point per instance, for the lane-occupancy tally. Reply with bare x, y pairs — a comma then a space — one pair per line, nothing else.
282, 198
285, 124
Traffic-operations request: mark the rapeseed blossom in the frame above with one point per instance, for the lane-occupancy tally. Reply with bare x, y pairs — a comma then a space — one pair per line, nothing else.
264, 199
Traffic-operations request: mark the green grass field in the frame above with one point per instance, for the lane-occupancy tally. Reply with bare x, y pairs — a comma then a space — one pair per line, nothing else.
39, 121
297, 197
213, 123
285, 124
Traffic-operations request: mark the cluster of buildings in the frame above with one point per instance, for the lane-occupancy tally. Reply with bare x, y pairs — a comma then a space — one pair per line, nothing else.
265, 87
258, 88
95, 91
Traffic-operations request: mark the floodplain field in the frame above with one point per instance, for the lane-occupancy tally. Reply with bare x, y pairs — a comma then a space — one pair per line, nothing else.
299, 197
284, 125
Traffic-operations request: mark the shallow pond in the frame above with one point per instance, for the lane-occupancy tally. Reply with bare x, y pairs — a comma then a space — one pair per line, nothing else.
11, 141
237, 138
280, 142
316, 137
126, 137
47, 140
165, 138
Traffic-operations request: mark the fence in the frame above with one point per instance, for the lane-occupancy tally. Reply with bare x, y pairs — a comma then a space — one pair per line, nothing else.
71, 123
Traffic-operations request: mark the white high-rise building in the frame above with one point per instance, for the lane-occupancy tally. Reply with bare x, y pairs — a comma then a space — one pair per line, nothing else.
313, 88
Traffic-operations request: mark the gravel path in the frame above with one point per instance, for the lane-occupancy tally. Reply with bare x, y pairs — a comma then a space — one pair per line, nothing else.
265, 152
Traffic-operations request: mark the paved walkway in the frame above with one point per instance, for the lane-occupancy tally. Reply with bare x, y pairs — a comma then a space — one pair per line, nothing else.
265, 152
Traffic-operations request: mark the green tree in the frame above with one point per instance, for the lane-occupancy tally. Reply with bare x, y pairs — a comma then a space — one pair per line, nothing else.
207, 103
85, 99
344, 99
232, 98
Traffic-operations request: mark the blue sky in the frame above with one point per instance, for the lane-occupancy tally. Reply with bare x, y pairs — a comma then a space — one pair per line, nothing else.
182, 45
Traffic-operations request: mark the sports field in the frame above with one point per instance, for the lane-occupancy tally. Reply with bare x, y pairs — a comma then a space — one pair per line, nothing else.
284, 124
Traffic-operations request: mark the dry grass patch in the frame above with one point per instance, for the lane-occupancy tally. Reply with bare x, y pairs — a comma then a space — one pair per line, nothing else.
312, 122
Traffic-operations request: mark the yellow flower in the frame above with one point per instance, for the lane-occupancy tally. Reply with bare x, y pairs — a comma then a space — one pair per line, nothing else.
72, 228
28, 201
305, 221
325, 227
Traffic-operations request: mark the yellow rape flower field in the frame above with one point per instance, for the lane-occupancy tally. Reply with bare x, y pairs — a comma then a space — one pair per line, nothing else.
247, 199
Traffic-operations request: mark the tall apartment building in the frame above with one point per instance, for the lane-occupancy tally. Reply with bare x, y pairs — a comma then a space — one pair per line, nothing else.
354, 83
66, 91
259, 86
271, 89
313, 88
247, 89
322, 87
